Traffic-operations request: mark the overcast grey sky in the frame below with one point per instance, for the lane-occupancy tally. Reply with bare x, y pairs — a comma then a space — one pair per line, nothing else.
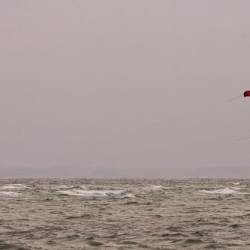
76, 73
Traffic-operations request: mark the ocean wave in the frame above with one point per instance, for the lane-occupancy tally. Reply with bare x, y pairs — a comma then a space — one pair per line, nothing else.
79, 192
14, 186
63, 187
156, 187
9, 193
124, 214
219, 191
129, 196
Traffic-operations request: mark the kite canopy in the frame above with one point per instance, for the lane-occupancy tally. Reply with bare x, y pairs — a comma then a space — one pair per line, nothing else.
247, 93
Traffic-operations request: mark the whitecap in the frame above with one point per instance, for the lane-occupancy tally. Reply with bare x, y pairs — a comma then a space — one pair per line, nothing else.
12, 194
219, 191
236, 183
156, 187
129, 196
14, 186
63, 187
79, 192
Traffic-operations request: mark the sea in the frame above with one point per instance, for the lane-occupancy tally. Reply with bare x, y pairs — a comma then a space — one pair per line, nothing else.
124, 214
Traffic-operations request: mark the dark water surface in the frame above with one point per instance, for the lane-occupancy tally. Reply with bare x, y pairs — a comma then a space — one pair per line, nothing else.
124, 214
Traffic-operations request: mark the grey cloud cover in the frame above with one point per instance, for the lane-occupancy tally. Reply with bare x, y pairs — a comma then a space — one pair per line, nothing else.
77, 73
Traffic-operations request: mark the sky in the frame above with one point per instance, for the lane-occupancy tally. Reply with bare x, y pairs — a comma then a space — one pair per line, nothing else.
83, 84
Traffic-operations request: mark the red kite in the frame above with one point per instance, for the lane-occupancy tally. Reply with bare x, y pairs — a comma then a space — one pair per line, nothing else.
247, 93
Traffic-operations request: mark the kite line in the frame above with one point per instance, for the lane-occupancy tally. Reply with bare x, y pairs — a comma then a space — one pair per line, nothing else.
246, 93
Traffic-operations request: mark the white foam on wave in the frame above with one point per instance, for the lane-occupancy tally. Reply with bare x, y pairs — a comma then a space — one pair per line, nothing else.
9, 193
62, 187
219, 191
156, 187
236, 183
129, 196
80, 192
14, 186
68, 187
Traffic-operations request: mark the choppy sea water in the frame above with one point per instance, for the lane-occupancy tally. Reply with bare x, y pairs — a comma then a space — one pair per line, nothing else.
124, 214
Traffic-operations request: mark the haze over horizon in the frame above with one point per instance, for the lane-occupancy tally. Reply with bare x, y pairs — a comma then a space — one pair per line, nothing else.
124, 88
